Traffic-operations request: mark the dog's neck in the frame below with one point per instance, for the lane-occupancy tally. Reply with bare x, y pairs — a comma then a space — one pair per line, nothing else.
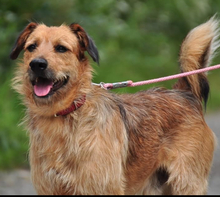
74, 106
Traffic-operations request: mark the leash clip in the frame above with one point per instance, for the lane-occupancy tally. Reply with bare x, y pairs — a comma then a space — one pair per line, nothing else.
101, 84
109, 86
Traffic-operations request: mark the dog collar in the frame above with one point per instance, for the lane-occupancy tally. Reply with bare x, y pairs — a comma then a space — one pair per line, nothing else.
75, 105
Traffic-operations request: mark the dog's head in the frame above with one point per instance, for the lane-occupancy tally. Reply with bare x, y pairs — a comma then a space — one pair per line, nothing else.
54, 64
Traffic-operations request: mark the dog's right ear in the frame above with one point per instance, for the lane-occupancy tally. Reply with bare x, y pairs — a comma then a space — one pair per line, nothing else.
86, 43
19, 45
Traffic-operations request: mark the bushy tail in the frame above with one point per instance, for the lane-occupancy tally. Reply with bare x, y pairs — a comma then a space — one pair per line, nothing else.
197, 51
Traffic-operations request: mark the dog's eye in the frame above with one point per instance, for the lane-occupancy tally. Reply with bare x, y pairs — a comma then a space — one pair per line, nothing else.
61, 49
31, 47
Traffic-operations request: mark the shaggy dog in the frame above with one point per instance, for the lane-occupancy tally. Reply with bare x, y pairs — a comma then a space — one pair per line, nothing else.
87, 140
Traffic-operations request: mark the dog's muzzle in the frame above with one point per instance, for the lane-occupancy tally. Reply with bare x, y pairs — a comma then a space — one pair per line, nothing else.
43, 78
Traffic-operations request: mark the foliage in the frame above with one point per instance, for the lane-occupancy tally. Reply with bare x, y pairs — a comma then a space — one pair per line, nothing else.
137, 40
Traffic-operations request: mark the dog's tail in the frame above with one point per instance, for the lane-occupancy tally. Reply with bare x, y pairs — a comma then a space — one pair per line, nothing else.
197, 51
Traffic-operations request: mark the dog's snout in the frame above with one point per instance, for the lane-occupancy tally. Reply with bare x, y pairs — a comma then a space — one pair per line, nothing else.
38, 65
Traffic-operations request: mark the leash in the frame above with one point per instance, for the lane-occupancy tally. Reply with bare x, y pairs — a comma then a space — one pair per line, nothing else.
129, 83
108, 86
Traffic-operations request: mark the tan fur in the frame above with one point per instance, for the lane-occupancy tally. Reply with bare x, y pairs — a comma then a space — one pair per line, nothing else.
150, 142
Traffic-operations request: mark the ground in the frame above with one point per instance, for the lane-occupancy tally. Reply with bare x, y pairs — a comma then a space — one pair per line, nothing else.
17, 182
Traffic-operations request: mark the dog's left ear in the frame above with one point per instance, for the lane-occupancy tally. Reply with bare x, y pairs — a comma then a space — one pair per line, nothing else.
19, 45
86, 43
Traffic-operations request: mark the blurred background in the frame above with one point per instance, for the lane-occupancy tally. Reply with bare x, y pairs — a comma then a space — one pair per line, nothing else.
136, 39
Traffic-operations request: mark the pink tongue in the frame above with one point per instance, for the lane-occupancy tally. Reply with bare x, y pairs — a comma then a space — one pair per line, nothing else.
43, 88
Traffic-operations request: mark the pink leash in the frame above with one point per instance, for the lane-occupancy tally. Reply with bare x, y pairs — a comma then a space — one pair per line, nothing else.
129, 83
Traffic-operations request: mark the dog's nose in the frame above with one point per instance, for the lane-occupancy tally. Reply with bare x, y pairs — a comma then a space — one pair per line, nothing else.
38, 65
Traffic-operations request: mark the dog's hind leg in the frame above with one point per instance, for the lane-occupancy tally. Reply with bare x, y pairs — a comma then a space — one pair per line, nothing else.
186, 180
189, 168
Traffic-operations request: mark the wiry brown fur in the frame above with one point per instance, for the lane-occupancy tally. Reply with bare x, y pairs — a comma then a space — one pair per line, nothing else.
150, 142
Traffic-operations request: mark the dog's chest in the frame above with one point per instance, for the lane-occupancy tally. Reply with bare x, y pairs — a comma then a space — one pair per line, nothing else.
54, 158
71, 159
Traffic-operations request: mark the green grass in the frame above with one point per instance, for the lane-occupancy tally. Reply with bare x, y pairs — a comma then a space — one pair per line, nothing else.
214, 96
13, 139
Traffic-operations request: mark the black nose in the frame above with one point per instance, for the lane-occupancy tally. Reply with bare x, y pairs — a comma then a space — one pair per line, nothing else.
38, 66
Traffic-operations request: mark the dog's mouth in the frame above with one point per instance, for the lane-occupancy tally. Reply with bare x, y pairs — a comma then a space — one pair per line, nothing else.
44, 87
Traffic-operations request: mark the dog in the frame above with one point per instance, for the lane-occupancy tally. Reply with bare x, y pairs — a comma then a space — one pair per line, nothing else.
88, 140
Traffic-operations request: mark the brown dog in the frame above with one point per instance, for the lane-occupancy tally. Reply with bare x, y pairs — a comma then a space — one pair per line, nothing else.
87, 140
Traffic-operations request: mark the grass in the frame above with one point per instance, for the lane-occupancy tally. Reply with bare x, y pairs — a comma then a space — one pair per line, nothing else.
13, 138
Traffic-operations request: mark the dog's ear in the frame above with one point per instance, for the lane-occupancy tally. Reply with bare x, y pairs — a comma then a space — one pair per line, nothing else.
86, 43
19, 45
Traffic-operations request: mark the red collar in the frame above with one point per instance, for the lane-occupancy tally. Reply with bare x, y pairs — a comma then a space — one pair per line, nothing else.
75, 105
